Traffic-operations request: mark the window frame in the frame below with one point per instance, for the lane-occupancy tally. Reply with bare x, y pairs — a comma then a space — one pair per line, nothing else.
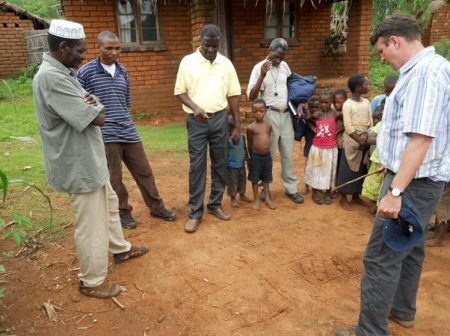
140, 45
292, 41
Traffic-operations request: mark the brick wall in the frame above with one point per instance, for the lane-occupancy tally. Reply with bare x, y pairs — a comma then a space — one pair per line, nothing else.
152, 73
306, 56
13, 48
440, 25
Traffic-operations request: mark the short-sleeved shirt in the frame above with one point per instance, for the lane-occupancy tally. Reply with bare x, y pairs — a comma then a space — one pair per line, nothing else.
236, 153
374, 155
420, 104
274, 87
207, 84
357, 115
114, 93
74, 152
376, 101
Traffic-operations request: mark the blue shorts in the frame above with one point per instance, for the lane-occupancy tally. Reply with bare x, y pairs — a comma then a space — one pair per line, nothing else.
260, 168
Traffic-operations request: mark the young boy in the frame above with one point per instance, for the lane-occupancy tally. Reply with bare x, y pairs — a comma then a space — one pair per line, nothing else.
339, 98
237, 155
260, 166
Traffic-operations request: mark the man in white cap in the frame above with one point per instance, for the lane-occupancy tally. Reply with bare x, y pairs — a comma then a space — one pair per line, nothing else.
69, 120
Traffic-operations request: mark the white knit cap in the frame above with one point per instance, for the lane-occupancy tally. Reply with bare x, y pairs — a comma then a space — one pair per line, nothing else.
66, 29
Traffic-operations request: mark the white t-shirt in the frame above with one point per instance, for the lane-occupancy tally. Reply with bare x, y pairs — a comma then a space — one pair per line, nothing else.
109, 68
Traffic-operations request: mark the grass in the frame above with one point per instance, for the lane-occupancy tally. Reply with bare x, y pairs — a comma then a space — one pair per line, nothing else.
25, 160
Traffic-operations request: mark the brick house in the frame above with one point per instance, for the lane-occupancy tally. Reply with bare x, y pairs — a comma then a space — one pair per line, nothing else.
439, 26
14, 22
153, 42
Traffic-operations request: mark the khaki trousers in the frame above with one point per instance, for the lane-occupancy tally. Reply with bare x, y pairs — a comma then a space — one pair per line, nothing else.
283, 139
97, 231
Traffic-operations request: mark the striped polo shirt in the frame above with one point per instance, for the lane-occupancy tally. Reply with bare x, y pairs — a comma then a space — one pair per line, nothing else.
420, 103
114, 94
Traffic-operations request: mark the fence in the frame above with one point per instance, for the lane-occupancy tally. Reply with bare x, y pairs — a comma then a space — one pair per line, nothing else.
36, 45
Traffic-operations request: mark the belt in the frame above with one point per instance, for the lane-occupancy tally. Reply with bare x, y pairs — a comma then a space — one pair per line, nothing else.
278, 110
213, 114
424, 179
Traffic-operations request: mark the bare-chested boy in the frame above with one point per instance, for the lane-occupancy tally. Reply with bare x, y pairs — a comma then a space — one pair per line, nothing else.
260, 165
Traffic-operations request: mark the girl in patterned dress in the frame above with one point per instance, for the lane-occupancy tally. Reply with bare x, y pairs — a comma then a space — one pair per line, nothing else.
320, 171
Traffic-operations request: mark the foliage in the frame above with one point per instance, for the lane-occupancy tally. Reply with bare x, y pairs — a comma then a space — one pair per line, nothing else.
421, 9
378, 71
333, 42
48, 9
20, 86
443, 47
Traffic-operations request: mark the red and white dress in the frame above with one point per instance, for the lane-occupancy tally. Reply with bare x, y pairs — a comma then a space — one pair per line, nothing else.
320, 172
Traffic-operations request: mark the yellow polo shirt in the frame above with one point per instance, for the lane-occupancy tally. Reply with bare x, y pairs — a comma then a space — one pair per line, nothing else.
207, 84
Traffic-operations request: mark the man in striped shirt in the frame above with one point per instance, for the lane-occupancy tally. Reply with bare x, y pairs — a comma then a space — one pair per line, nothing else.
107, 79
413, 145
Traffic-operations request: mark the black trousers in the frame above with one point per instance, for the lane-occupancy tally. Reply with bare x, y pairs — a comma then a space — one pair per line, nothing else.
212, 133
391, 279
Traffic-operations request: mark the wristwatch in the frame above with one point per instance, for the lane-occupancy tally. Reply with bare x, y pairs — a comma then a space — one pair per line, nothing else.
395, 192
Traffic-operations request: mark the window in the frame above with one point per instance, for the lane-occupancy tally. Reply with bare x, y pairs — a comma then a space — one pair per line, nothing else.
138, 21
281, 20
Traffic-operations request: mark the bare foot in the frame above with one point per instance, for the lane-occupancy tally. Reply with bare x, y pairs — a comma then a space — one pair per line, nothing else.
433, 242
270, 203
306, 191
234, 202
257, 204
362, 200
245, 198
345, 204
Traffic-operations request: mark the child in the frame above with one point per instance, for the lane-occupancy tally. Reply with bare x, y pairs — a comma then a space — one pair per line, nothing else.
372, 184
340, 96
357, 121
236, 181
442, 219
260, 165
312, 114
320, 170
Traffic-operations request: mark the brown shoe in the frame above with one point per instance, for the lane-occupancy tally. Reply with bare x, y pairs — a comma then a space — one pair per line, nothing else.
104, 291
400, 322
345, 332
134, 252
192, 225
219, 213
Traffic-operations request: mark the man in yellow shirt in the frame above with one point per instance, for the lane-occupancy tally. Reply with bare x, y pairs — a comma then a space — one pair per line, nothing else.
206, 84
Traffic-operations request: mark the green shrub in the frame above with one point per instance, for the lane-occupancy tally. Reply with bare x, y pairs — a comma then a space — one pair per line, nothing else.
378, 71
443, 47
20, 86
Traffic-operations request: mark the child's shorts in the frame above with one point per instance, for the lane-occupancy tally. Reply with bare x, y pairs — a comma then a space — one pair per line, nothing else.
260, 168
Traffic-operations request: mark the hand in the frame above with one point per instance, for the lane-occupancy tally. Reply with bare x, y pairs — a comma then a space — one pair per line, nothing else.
235, 135
90, 99
199, 114
390, 206
299, 111
265, 68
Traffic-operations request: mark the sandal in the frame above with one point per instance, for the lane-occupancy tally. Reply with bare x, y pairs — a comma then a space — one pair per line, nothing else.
104, 291
134, 252
317, 199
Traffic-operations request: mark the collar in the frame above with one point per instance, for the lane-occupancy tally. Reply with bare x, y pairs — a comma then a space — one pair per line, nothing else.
100, 69
57, 64
429, 51
202, 59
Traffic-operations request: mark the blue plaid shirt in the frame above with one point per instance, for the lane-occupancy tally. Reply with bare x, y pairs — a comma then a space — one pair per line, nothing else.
420, 103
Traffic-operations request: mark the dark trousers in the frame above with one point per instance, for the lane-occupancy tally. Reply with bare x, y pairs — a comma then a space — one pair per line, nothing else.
391, 279
236, 181
134, 157
212, 132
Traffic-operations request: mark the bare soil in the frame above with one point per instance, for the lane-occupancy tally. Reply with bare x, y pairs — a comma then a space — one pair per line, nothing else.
291, 271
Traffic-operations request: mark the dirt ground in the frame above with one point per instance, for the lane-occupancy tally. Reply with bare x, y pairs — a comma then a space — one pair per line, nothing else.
291, 271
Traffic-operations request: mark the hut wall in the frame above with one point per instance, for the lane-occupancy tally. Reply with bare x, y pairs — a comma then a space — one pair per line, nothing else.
13, 48
152, 73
